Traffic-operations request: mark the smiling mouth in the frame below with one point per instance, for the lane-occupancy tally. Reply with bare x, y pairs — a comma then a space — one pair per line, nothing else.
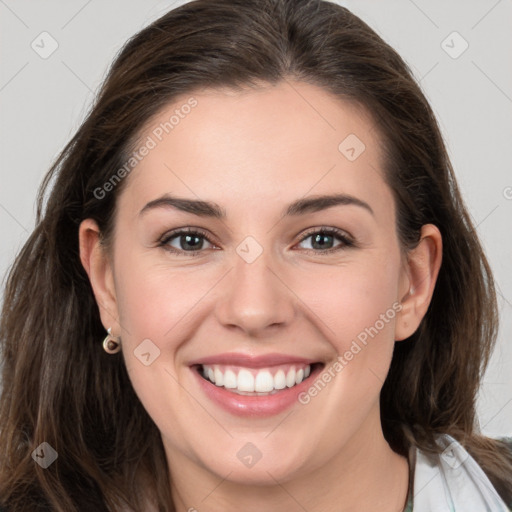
257, 381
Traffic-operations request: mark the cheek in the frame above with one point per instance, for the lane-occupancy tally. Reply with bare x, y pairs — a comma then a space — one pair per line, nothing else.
154, 298
353, 300
155, 303
356, 308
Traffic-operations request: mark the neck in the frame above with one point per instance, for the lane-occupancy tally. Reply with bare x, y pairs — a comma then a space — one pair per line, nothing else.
365, 475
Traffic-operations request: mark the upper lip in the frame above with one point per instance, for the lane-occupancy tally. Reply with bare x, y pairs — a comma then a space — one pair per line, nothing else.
251, 361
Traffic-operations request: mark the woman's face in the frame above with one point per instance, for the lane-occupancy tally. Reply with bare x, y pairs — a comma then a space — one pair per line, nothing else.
260, 297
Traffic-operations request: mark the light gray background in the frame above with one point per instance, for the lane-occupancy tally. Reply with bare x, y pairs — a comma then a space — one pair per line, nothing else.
43, 101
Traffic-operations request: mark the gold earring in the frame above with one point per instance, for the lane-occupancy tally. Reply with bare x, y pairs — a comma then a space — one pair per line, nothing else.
111, 344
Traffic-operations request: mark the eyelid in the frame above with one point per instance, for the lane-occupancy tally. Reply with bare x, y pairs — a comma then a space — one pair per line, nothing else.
327, 230
189, 229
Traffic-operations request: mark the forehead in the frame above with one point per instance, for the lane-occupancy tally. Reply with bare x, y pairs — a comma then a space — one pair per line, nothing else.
268, 144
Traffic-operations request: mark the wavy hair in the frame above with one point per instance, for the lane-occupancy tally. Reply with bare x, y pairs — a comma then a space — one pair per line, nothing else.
59, 386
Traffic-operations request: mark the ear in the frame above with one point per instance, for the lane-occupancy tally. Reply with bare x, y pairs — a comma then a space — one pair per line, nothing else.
418, 280
98, 266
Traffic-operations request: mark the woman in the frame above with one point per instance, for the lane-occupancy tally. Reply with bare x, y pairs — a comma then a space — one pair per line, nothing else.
260, 220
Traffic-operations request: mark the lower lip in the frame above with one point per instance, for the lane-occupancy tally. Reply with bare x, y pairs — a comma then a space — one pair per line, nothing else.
260, 406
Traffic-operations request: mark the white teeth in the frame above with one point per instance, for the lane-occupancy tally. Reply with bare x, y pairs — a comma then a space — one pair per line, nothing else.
245, 381
290, 378
230, 379
219, 377
264, 382
280, 380
250, 381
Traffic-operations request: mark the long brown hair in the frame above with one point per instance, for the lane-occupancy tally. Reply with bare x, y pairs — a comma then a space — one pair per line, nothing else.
60, 387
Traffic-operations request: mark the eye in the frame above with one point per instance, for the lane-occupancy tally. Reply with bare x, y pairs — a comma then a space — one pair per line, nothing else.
323, 239
189, 240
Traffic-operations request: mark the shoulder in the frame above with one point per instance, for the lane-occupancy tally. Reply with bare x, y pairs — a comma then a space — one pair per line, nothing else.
452, 480
507, 441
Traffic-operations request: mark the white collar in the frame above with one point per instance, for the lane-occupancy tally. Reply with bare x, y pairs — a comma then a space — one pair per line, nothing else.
452, 481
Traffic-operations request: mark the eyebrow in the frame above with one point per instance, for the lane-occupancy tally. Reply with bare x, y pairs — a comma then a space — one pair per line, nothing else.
300, 207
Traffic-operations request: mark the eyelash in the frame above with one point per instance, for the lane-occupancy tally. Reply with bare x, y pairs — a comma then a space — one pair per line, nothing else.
341, 235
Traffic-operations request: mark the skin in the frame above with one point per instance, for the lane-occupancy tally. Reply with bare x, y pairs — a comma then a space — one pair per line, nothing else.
254, 152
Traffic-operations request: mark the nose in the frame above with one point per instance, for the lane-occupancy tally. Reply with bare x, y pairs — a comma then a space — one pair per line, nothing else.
255, 298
